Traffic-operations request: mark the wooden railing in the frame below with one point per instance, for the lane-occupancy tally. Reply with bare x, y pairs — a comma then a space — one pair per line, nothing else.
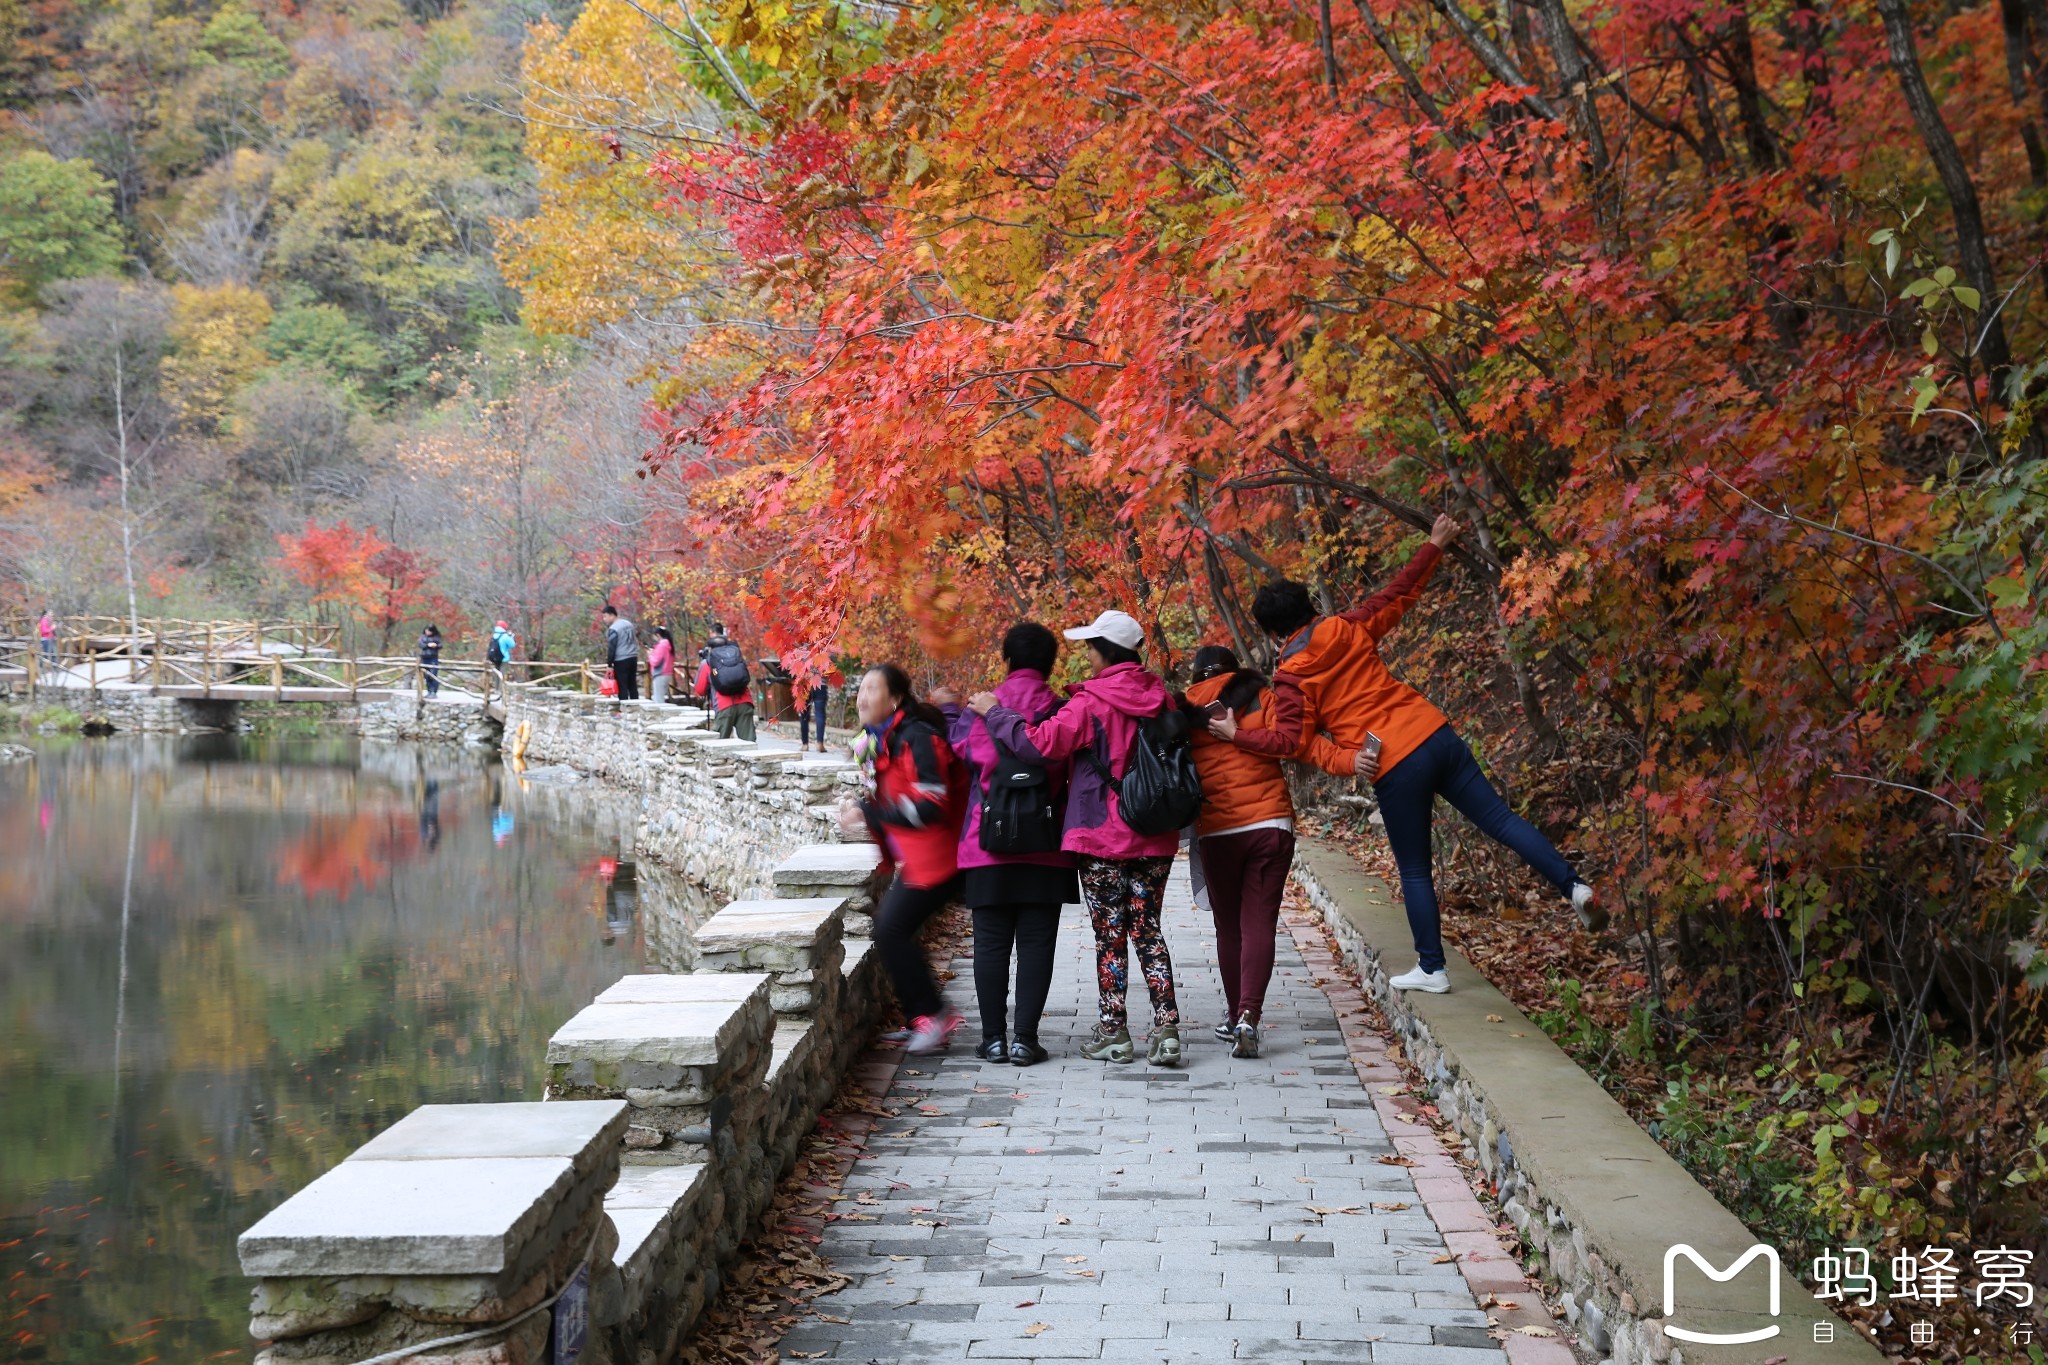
79, 636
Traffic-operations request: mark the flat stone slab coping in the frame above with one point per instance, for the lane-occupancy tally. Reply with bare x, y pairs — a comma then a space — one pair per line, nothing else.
829, 865
682, 988
450, 1189
795, 920
455, 1216
684, 1033
584, 1131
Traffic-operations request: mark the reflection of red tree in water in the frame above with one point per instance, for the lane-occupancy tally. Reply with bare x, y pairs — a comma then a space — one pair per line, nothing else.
340, 855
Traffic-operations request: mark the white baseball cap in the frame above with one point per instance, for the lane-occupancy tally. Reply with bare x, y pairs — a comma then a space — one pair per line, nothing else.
1119, 628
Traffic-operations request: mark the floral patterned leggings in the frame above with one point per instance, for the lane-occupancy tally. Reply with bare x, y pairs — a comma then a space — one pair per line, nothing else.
1124, 897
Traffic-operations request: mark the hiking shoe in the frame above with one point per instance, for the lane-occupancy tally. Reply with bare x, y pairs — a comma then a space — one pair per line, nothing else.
1591, 913
1025, 1052
1244, 1039
1165, 1046
929, 1033
1225, 1032
1436, 983
1109, 1044
993, 1050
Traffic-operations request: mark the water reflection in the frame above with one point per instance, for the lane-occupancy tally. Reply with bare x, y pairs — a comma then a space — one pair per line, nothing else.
225, 964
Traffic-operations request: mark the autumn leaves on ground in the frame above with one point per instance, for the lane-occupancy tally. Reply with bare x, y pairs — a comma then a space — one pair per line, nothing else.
1723, 323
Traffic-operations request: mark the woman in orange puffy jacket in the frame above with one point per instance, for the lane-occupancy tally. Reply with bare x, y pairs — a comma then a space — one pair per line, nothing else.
1336, 704
1245, 839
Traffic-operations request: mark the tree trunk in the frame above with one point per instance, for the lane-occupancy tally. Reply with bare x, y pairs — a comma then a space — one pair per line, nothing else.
2019, 61
1955, 178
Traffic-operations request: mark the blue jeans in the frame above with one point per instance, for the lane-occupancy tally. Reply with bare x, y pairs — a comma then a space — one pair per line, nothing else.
1444, 767
813, 713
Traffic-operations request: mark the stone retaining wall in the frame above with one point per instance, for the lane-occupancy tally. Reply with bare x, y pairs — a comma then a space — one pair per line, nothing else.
676, 1099
134, 710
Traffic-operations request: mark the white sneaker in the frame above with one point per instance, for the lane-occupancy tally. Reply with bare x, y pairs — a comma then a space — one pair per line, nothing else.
1436, 983
1591, 913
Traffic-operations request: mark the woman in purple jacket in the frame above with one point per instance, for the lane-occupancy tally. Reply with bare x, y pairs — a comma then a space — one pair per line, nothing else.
1123, 873
1015, 897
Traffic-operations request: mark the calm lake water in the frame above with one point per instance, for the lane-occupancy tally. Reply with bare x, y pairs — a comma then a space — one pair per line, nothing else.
227, 963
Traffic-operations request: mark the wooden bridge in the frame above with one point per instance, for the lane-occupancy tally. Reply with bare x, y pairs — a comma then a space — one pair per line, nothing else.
282, 661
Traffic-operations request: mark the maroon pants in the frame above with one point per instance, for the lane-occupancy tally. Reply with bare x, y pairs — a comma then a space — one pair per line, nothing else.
1246, 874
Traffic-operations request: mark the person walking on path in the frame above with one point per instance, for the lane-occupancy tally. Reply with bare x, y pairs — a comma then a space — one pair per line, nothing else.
1014, 875
430, 658
503, 642
46, 632
1123, 873
723, 679
622, 652
919, 801
1244, 840
1331, 678
661, 663
811, 714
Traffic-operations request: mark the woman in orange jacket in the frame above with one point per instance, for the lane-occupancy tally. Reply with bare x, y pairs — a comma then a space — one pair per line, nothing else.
1245, 839
1336, 703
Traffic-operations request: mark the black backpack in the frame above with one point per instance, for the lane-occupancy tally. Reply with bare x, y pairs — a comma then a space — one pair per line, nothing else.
1160, 791
492, 656
729, 676
1017, 811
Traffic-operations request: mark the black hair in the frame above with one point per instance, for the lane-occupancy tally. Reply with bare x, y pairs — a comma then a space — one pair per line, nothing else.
1210, 660
898, 685
1030, 645
1114, 653
662, 631
1281, 608
610, 610
433, 629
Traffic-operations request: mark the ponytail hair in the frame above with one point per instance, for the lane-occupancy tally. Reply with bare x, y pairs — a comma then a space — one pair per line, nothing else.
897, 683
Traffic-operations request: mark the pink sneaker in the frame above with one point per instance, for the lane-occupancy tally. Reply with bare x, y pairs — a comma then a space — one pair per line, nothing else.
929, 1034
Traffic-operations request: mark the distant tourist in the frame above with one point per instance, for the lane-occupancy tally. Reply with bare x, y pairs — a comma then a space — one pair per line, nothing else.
499, 654
724, 680
46, 631
430, 657
661, 663
811, 714
622, 652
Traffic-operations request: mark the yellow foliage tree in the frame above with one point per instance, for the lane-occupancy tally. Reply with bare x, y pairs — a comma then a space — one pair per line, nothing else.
603, 101
214, 350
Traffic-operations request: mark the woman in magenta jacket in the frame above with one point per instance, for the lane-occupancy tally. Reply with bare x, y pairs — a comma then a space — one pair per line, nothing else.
1123, 873
1015, 897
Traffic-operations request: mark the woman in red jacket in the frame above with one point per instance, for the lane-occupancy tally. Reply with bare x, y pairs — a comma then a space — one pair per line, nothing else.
920, 799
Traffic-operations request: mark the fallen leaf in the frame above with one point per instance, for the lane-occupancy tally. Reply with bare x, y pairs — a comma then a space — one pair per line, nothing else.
1518, 1035
1389, 1208
826, 1317
1448, 1258
989, 1123
1321, 1212
1777, 1360
1395, 1160
1029, 1303
1537, 1332
1075, 1260
1495, 1019
1084, 1274
809, 1355
1062, 1220
1035, 1328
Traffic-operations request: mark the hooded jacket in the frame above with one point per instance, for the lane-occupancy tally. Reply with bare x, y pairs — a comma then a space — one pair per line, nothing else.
1104, 715
1025, 692
1331, 679
920, 797
1239, 786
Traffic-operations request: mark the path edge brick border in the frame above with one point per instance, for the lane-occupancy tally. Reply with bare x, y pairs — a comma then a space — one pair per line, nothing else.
1595, 1198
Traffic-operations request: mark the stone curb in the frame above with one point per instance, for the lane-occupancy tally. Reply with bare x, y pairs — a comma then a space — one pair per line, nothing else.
1440, 1183
1593, 1195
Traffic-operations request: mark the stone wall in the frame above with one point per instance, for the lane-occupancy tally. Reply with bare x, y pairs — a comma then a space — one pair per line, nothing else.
676, 1099
136, 710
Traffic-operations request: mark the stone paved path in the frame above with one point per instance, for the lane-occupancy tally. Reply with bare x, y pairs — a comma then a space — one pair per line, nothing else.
1077, 1210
